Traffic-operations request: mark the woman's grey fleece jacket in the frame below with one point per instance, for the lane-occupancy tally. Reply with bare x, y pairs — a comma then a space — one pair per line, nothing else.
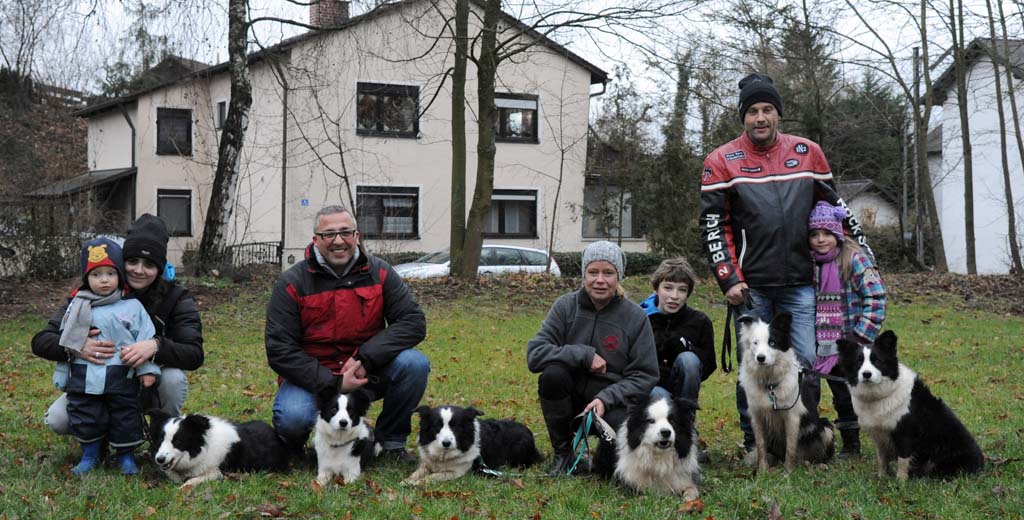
574, 331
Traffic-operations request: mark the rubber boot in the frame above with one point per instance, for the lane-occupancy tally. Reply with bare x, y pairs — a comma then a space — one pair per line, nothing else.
851, 443
126, 461
90, 458
558, 419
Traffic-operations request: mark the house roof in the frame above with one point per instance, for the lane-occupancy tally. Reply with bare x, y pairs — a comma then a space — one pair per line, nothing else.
977, 49
82, 182
852, 188
194, 69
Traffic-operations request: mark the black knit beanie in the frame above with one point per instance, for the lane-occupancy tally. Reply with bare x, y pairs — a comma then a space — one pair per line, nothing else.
756, 88
147, 238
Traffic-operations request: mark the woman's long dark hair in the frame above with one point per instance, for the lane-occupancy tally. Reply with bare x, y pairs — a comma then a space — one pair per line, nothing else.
154, 294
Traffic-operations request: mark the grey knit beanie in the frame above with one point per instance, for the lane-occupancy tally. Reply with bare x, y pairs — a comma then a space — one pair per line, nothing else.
607, 251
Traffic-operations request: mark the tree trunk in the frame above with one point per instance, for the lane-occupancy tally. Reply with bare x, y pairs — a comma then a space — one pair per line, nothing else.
221, 207
487, 69
1007, 188
921, 118
956, 18
1010, 89
458, 209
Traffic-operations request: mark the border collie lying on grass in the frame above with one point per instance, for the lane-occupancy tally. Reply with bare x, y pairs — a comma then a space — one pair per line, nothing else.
453, 441
196, 448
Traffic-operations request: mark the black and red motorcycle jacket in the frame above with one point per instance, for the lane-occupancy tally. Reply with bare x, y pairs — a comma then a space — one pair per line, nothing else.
316, 321
754, 206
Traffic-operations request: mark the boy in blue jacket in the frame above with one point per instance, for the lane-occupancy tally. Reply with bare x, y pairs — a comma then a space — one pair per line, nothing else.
103, 396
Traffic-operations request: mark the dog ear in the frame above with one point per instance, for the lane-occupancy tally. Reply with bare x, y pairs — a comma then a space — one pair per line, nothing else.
782, 323
637, 400
423, 411
474, 412
887, 342
847, 348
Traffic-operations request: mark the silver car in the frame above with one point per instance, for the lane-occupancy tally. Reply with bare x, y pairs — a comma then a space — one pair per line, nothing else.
494, 259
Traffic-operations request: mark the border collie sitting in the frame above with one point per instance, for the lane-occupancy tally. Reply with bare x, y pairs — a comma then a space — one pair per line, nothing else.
906, 421
196, 448
770, 375
656, 447
453, 441
343, 441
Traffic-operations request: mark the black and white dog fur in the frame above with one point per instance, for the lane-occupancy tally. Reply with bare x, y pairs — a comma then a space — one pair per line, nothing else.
452, 441
343, 441
770, 375
656, 447
905, 420
197, 448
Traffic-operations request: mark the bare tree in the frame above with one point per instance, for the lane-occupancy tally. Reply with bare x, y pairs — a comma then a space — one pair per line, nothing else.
956, 22
1007, 188
921, 105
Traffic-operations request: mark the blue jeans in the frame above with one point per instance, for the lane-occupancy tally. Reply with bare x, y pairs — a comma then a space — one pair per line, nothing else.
768, 301
401, 384
684, 380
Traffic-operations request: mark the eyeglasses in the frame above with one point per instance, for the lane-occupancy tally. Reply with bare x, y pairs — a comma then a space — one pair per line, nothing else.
329, 235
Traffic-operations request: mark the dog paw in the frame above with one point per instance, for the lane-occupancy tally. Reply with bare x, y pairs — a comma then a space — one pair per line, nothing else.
690, 494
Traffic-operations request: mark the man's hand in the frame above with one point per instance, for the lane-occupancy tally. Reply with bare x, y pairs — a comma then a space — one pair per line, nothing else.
95, 351
353, 376
598, 365
735, 293
597, 406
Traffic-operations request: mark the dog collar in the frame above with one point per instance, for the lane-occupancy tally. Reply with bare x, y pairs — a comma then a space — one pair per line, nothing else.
342, 445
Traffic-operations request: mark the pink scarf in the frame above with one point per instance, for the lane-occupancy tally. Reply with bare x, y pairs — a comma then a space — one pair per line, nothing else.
828, 321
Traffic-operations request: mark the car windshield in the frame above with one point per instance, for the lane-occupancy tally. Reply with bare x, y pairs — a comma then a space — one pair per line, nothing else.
439, 257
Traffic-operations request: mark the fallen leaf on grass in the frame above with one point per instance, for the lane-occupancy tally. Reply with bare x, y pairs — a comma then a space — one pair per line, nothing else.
518, 483
775, 513
373, 486
270, 510
315, 486
448, 494
692, 506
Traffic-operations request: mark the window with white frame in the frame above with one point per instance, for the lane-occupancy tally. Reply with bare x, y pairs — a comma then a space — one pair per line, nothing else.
516, 119
173, 131
387, 110
513, 214
388, 212
174, 207
221, 114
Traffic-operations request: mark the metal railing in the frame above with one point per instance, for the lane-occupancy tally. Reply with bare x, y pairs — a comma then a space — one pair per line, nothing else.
240, 255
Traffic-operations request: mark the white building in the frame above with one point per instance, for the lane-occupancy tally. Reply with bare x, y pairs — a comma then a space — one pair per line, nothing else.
990, 208
365, 120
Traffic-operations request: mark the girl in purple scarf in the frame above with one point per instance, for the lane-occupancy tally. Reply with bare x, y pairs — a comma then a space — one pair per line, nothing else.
850, 303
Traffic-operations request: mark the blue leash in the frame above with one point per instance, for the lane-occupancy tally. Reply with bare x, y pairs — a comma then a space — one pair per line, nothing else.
581, 438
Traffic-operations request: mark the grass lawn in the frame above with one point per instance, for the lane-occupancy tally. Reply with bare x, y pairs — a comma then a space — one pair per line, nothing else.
476, 344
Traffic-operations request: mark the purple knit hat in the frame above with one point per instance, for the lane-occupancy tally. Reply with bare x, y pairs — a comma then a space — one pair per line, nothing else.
828, 217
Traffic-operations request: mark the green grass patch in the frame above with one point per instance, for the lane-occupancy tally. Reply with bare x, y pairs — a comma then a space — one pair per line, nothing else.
477, 346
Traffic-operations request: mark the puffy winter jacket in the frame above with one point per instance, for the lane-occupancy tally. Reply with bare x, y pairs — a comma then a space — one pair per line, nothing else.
754, 206
178, 328
316, 321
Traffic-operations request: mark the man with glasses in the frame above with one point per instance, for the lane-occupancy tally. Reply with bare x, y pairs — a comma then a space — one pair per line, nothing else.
342, 319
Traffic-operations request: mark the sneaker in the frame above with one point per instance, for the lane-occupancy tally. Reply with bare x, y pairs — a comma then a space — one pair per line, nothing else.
397, 454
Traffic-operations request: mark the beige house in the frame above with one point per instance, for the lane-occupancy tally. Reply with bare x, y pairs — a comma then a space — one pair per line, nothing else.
361, 116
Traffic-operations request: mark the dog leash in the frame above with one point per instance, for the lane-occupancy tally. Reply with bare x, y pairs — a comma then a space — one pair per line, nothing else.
748, 302
587, 420
823, 375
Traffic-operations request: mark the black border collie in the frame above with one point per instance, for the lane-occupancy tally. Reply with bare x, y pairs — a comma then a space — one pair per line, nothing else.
343, 441
905, 420
453, 441
196, 448
770, 374
655, 447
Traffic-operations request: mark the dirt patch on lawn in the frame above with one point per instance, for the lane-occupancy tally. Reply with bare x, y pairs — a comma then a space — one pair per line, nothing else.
997, 294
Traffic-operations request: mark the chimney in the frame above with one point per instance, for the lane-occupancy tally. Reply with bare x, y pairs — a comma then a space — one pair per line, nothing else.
327, 14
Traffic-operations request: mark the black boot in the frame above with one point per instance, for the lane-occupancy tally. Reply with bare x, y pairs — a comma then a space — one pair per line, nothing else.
851, 444
558, 418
